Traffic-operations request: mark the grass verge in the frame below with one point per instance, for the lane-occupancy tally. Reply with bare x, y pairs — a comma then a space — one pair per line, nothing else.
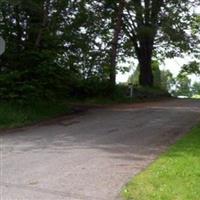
174, 176
14, 114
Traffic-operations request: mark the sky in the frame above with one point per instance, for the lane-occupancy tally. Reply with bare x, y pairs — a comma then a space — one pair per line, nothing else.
173, 65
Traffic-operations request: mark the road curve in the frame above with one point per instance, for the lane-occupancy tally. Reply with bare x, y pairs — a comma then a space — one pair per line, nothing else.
90, 156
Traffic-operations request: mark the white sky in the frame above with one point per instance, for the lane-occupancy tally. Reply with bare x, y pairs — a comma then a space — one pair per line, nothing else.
174, 65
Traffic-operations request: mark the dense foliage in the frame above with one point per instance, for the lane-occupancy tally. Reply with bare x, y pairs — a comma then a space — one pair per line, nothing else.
180, 85
61, 48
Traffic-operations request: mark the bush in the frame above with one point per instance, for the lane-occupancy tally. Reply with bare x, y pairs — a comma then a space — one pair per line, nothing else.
86, 88
44, 82
149, 92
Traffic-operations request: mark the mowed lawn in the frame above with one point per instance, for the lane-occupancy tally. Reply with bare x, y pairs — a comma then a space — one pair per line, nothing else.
174, 176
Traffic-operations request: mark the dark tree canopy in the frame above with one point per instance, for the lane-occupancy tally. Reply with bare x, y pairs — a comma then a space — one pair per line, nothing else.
159, 28
191, 68
69, 47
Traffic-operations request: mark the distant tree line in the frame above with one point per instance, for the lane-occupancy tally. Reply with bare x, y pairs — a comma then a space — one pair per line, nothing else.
180, 85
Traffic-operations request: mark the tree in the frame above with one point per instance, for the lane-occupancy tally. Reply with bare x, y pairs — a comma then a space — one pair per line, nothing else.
151, 24
56, 43
134, 78
191, 68
117, 30
196, 88
183, 86
167, 80
44, 45
67, 44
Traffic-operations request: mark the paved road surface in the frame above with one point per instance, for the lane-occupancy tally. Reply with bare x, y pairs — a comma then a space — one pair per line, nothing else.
91, 156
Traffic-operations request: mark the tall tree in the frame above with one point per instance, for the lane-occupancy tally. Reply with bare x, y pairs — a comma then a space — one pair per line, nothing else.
118, 21
73, 41
156, 28
191, 68
183, 86
196, 88
167, 80
135, 77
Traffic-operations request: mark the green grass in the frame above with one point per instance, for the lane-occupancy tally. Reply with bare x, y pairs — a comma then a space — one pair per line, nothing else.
197, 96
174, 176
14, 114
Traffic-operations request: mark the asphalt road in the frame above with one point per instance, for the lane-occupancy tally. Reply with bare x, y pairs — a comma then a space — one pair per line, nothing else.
90, 156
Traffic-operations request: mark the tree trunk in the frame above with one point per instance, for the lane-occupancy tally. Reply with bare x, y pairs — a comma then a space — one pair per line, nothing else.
19, 29
146, 74
117, 30
145, 61
43, 24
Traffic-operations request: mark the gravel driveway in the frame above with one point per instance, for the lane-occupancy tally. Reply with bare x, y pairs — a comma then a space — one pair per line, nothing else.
90, 156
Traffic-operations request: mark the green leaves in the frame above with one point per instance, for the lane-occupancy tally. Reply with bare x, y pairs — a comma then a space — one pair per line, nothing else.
67, 41
191, 68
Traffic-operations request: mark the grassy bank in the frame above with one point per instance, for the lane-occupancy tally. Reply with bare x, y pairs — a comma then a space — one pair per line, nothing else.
174, 176
14, 114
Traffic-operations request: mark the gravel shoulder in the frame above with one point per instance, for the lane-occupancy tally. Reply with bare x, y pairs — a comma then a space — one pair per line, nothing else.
93, 155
